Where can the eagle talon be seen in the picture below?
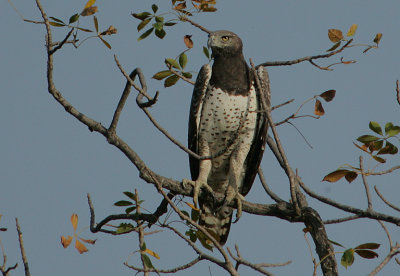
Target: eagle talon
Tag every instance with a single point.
(197, 185)
(234, 195)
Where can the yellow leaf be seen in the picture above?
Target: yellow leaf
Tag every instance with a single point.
(180, 6)
(80, 247)
(352, 30)
(66, 241)
(74, 221)
(88, 241)
(89, 3)
(318, 110)
(378, 38)
(335, 35)
(192, 206)
(152, 253)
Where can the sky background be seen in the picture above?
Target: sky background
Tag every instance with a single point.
(49, 161)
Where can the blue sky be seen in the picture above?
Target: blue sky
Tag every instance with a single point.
(49, 161)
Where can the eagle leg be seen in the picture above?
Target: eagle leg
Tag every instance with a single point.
(201, 181)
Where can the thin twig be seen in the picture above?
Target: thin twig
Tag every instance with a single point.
(393, 252)
(21, 246)
(172, 270)
(391, 205)
(398, 91)
(185, 18)
(340, 220)
(275, 197)
(366, 186)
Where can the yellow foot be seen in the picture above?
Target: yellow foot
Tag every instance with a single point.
(233, 194)
(197, 185)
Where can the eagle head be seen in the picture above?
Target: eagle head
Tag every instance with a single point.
(225, 43)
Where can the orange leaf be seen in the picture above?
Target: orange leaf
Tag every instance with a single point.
(66, 241)
(192, 206)
(335, 35)
(318, 110)
(180, 6)
(378, 38)
(74, 221)
(88, 241)
(335, 176)
(188, 41)
(80, 247)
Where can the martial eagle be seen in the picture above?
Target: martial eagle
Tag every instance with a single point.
(226, 116)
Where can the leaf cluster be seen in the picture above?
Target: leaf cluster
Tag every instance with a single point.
(363, 250)
(336, 36)
(374, 145)
(66, 241)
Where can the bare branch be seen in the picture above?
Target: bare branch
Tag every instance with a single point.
(172, 270)
(393, 252)
(339, 220)
(308, 58)
(384, 172)
(185, 18)
(397, 91)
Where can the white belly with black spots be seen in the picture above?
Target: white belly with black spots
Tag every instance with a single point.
(219, 122)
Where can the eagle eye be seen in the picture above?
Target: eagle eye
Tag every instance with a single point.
(225, 38)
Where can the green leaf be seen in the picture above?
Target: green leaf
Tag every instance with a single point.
(185, 213)
(162, 74)
(182, 60)
(169, 24)
(377, 145)
(160, 33)
(172, 62)
(85, 30)
(143, 24)
(195, 215)
(123, 203)
(388, 127)
(124, 227)
(367, 254)
(130, 195)
(375, 127)
(96, 24)
(347, 258)
(204, 241)
(141, 16)
(154, 8)
(187, 75)
(393, 131)
(158, 26)
(56, 24)
(159, 19)
(328, 95)
(379, 159)
(369, 245)
(130, 209)
(367, 138)
(334, 47)
(74, 18)
(57, 20)
(388, 149)
(143, 247)
(147, 261)
(206, 52)
(146, 34)
(170, 81)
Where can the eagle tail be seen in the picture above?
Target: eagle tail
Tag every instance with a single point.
(217, 221)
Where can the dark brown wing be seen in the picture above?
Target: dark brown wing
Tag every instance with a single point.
(200, 88)
(256, 152)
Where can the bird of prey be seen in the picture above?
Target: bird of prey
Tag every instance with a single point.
(226, 122)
